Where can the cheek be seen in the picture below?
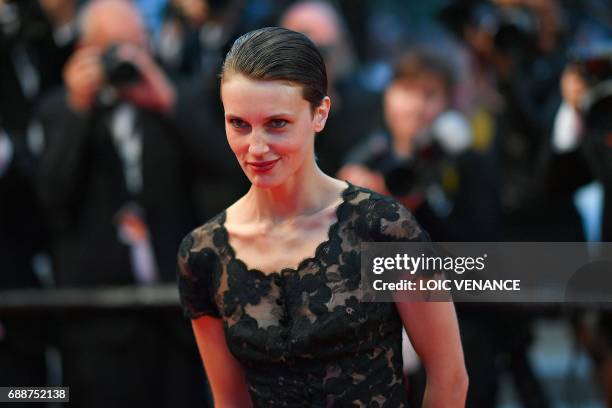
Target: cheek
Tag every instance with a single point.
(393, 106)
(394, 114)
(289, 145)
(299, 140)
(237, 144)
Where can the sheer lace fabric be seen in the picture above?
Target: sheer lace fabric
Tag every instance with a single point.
(303, 336)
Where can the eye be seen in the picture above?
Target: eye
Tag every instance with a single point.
(277, 123)
(238, 124)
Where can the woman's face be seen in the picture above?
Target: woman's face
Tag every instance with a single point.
(270, 127)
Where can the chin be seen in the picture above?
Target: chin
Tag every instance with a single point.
(266, 181)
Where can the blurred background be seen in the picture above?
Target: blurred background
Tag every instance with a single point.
(490, 120)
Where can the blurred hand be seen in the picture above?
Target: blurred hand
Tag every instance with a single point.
(573, 86)
(412, 201)
(154, 91)
(363, 177)
(83, 76)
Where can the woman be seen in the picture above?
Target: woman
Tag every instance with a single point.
(272, 283)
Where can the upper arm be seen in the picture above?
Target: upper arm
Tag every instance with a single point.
(431, 325)
(434, 332)
(224, 372)
(195, 271)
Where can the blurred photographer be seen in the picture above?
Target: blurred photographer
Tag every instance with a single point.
(115, 179)
(596, 109)
(100, 135)
(518, 50)
(356, 111)
(423, 155)
(426, 158)
(583, 126)
(110, 65)
(36, 37)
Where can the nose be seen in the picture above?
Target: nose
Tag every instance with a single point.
(258, 145)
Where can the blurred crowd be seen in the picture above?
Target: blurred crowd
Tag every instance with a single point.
(487, 118)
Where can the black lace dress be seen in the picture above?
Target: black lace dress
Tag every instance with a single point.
(302, 335)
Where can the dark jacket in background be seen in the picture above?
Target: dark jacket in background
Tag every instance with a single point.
(82, 187)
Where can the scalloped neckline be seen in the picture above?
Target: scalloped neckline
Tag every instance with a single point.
(270, 275)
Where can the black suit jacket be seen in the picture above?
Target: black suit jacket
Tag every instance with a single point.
(81, 185)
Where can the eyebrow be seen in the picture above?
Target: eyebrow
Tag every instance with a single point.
(271, 117)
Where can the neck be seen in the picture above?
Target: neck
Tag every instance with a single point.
(307, 192)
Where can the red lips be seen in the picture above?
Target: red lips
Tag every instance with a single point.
(262, 166)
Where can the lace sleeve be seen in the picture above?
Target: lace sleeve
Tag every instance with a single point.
(392, 222)
(194, 275)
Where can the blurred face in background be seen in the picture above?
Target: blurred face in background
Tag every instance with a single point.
(404, 108)
(323, 26)
(196, 11)
(270, 128)
(113, 21)
(318, 21)
(436, 97)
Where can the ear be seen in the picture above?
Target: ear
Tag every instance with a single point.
(321, 113)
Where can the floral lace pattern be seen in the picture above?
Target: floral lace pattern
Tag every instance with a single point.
(303, 336)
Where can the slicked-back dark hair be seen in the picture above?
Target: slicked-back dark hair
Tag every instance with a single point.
(274, 53)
